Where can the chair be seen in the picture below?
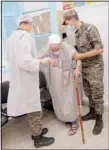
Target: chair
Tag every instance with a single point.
(44, 92)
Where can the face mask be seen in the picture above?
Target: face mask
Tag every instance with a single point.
(56, 53)
(71, 28)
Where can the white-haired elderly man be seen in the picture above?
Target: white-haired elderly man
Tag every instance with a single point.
(24, 94)
(60, 75)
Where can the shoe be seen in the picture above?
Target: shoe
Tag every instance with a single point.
(98, 125)
(73, 129)
(44, 131)
(90, 116)
(41, 141)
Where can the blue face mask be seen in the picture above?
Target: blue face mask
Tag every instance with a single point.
(71, 28)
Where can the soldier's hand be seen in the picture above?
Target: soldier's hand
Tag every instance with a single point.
(76, 56)
(53, 62)
(77, 72)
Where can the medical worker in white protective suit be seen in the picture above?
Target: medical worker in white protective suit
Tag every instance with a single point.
(60, 80)
(24, 94)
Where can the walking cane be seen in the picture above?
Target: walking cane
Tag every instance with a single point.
(79, 109)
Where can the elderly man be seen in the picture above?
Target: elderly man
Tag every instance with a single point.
(90, 47)
(24, 94)
(60, 76)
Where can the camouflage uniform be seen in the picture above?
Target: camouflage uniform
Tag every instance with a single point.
(87, 39)
(35, 122)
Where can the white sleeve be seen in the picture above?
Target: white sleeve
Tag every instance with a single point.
(23, 55)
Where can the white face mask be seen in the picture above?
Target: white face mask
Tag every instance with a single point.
(56, 53)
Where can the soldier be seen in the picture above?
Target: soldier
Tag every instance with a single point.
(90, 48)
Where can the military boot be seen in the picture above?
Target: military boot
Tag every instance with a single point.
(90, 116)
(44, 131)
(41, 141)
(98, 125)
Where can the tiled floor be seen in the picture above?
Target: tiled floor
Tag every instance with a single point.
(16, 134)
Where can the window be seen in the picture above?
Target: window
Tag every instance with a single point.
(41, 21)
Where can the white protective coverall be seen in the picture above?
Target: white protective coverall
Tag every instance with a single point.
(24, 94)
(60, 82)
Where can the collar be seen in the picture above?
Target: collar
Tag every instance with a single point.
(81, 29)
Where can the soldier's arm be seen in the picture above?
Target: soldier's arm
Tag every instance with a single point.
(95, 41)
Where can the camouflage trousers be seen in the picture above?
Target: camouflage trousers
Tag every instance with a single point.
(94, 87)
(35, 122)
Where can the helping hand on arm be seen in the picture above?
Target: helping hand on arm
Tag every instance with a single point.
(94, 52)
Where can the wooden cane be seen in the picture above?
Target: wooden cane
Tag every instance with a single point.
(79, 110)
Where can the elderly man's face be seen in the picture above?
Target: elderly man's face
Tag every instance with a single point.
(55, 47)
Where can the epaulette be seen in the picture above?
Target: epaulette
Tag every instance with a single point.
(88, 27)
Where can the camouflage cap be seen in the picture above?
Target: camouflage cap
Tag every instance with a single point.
(68, 14)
